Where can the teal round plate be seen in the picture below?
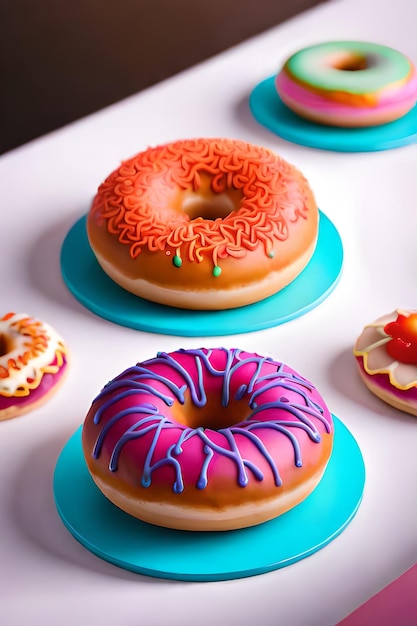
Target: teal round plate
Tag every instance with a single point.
(125, 541)
(269, 110)
(97, 292)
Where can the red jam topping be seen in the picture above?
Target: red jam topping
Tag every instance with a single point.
(403, 345)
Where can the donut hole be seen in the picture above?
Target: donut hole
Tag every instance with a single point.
(5, 345)
(213, 415)
(350, 63)
(219, 206)
(204, 203)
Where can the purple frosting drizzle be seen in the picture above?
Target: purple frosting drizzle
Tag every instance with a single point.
(150, 420)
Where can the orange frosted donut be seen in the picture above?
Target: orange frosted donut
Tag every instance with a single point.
(204, 224)
(386, 354)
(33, 363)
(207, 439)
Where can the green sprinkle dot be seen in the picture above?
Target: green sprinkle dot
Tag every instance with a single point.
(177, 261)
(217, 271)
(271, 254)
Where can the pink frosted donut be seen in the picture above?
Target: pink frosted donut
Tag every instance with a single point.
(207, 439)
(33, 363)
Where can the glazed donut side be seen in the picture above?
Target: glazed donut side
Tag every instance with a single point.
(386, 355)
(207, 439)
(347, 83)
(33, 364)
(204, 224)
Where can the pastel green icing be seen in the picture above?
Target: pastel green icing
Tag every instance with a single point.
(312, 66)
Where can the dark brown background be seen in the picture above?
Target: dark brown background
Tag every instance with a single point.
(63, 59)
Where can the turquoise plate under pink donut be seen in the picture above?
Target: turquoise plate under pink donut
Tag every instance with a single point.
(96, 291)
(126, 542)
(269, 110)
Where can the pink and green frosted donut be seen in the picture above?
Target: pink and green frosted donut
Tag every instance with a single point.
(348, 83)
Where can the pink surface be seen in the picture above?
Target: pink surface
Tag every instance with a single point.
(395, 605)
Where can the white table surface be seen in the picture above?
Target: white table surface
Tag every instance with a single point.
(46, 576)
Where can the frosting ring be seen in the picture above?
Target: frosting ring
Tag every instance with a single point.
(33, 361)
(348, 83)
(207, 439)
(204, 224)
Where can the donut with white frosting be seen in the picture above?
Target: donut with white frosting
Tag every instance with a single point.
(33, 363)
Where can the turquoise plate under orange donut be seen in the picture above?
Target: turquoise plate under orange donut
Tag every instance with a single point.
(198, 229)
(341, 95)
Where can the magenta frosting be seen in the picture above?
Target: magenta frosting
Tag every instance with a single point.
(285, 418)
(47, 382)
(383, 381)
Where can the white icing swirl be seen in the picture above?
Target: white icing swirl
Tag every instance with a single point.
(34, 346)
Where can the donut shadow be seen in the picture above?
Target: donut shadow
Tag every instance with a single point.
(33, 512)
(245, 118)
(264, 136)
(43, 264)
(344, 377)
(268, 137)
